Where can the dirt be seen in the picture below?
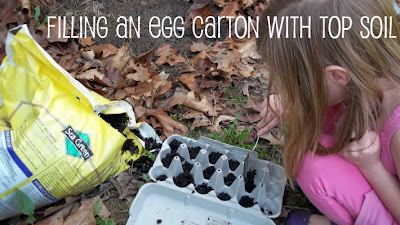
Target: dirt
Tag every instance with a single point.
(203, 188)
(174, 145)
(249, 181)
(118, 121)
(233, 164)
(149, 143)
(187, 167)
(208, 172)
(224, 196)
(162, 177)
(266, 211)
(193, 152)
(246, 201)
(229, 179)
(183, 179)
(130, 146)
(159, 221)
(167, 160)
(213, 157)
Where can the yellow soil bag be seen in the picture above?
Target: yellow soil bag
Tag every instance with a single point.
(52, 141)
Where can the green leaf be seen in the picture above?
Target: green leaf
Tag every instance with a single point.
(110, 222)
(37, 13)
(146, 177)
(97, 207)
(26, 205)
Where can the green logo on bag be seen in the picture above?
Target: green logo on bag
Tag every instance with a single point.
(77, 143)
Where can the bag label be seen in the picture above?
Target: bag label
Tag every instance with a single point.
(80, 144)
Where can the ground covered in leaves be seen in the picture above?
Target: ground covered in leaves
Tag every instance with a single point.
(184, 86)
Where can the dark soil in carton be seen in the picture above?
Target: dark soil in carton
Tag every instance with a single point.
(183, 179)
(213, 157)
(203, 188)
(266, 211)
(233, 164)
(187, 167)
(166, 161)
(174, 145)
(193, 152)
(249, 180)
(130, 146)
(162, 177)
(229, 179)
(208, 172)
(224, 196)
(118, 121)
(246, 201)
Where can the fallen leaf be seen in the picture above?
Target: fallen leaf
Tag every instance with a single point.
(190, 81)
(220, 3)
(141, 74)
(85, 42)
(167, 55)
(55, 35)
(203, 12)
(200, 121)
(106, 50)
(189, 100)
(272, 139)
(88, 55)
(230, 9)
(250, 50)
(192, 114)
(170, 126)
(145, 58)
(26, 7)
(223, 118)
(247, 3)
(255, 103)
(197, 47)
(120, 94)
(95, 76)
(128, 185)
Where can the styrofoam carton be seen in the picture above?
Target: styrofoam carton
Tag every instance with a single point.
(202, 183)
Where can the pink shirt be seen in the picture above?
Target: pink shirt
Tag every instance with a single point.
(392, 124)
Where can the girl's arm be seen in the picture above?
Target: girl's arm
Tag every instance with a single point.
(386, 186)
(365, 154)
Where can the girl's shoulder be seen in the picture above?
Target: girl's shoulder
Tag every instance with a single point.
(390, 141)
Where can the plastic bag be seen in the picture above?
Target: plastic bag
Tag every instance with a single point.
(53, 143)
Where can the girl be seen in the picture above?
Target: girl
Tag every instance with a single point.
(340, 101)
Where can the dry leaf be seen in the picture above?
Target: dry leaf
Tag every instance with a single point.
(86, 41)
(273, 140)
(167, 55)
(145, 58)
(26, 7)
(230, 9)
(95, 76)
(255, 103)
(203, 12)
(128, 185)
(106, 50)
(200, 121)
(197, 47)
(55, 36)
(189, 100)
(220, 3)
(223, 118)
(190, 81)
(141, 74)
(170, 126)
(250, 50)
(88, 55)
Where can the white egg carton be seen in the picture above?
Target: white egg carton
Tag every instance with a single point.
(203, 181)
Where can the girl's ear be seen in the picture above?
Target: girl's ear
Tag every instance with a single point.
(337, 75)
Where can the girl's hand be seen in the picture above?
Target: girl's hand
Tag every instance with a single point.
(270, 115)
(365, 152)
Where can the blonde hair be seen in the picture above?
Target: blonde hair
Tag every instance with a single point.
(297, 67)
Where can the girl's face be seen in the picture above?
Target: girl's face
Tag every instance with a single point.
(337, 79)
